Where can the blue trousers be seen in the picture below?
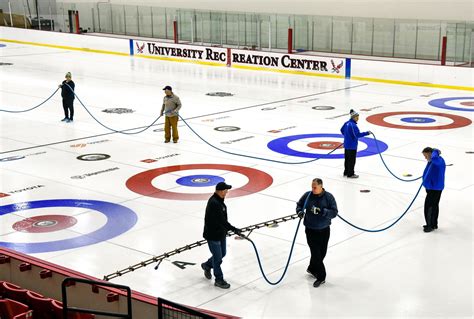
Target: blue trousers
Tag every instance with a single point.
(218, 251)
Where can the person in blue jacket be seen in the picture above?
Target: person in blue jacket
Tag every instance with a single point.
(317, 207)
(351, 139)
(433, 181)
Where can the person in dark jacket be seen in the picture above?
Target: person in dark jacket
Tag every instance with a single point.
(317, 207)
(351, 139)
(67, 93)
(433, 181)
(216, 227)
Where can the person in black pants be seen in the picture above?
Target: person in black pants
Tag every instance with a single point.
(317, 207)
(67, 93)
(433, 181)
(216, 227)
(351, 139)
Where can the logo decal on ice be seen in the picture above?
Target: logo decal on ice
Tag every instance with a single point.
(93, 157)
(227, 128)
(323, 108)
(118, 110)
(221, 94)
(11, 158)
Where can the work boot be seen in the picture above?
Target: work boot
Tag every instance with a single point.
(221, 283)
(207, 271)
(309, 272)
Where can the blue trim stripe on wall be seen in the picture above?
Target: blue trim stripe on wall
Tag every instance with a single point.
(348, 68)
(131, 46)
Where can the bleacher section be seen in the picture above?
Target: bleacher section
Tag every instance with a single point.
(31, 288)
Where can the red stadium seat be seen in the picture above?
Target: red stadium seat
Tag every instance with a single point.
(2, 290)
(58, 311)
(14, 309)
(14, 292)
(40, 305)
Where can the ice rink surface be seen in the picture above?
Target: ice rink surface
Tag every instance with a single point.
(142, 197)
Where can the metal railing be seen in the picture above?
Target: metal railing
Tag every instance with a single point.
(66, 308)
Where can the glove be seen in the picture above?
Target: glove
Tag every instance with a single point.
(315, 210)
(238, 231)
(300, 214)
(370, 132)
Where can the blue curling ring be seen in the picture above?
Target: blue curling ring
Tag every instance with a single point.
(280, 145)
(119, 220)
(419, 120)
(199, 180)
(441, 103)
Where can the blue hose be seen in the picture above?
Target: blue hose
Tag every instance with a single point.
(254, 157)
(289, 256)
(388, 169)
(30, 109)
(109, 128)
(385, 228)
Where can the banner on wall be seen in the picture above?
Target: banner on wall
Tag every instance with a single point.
(171, 50)
(293, 62)
(243, 58)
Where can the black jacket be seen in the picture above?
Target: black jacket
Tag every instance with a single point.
(66, 92)
(326, 203)
(216, 225)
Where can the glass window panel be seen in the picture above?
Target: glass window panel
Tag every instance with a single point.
(362, 36)
(118, 22)
(460, 43)
(456, 33)
(185, 25)
(428, 40)
(86, 16)
(451, 43)
(205, 27)
(232, 29)
(131, 20)
(145, 22)
(301, 33)
(251, 40)
(104, 18)
(216, 28)
(283, 22)
(171, 16)
(322, 34)
(59, 19)
(383, 37)
(266, 32)
(242, 31)
(342, 35)
(405, 38)
(159, 22)
(469, 46)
